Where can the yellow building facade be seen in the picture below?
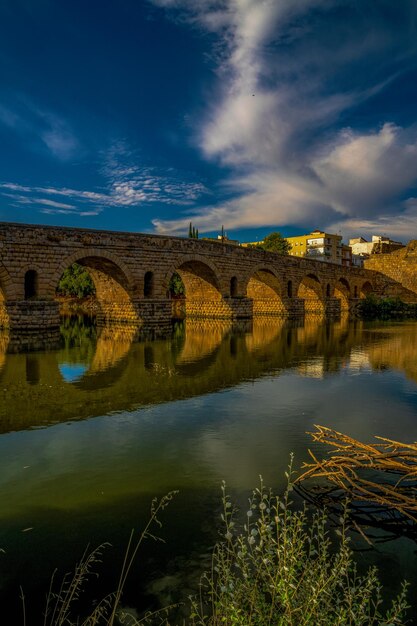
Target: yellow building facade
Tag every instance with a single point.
(320, 246)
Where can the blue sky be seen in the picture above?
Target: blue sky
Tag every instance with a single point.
(144, 115)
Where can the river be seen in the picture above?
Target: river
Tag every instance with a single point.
(91, 432)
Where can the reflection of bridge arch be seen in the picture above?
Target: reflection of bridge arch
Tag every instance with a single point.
(265, 289)
(310, 290)
(342, 291)
(108, 361)
(151, 372)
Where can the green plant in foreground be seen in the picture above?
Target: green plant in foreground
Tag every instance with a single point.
(278, 567)
(282, 569)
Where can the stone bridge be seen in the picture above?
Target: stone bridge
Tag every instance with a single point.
(132, 273)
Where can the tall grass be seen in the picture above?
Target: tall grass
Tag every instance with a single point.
(278, 566)
(62, 603)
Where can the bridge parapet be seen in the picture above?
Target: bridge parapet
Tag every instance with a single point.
(132, 271)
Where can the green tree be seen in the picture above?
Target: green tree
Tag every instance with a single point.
(275, 242)
(192, 231)
(176, 286)
(76, 281)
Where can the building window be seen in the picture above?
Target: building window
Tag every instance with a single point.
(328, 291)
(355, 292)
(31, 284)
(148, 285)
(289, 288)
(233, 286)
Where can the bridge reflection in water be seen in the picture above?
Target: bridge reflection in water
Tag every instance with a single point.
(98, 371)
(217, 400)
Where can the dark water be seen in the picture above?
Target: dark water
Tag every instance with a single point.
(91, 432)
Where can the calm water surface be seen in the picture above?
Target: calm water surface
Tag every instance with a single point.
(92, 431)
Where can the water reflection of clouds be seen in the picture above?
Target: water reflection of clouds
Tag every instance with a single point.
(272, 398)
(233, 435)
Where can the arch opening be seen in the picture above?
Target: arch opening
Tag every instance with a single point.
(148, 285)
(201, 296)
(4, 316)
(366, 289)
(31, 284)
(310, 290)
(342, 292)
(233, 287)
(104, 282)
(265, 290)
(200, 282)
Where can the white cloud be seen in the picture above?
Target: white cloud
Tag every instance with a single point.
(287, 71)
(39, 127)
(364, 173)
(52, 203)
(132, 183)
(399, 225)
(127, 184)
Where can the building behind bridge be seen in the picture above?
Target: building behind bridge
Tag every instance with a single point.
(363, 249)
(321, 246)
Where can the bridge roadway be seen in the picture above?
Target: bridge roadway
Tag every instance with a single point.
(132, 271)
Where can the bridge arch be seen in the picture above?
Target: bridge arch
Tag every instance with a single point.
(365, 289)
(95, 259)
(310, 290)
(112, 281)
(342, 291)
(266, 290)
(202, 286)
(8, 289)
(199, 275)
(7, 292)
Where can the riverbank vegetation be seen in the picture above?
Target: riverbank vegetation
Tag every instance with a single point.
(372, 308)
(273, 565)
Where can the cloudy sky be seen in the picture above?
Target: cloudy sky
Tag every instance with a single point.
(259, 115)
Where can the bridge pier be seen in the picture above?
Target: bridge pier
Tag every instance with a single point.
(150, 313)
(230, 308)
(332, 307)
(32, 324)
(295, 306)
(30, 314)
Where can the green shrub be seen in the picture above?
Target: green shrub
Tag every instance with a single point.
(282, 569)
(279, 567)
(76, 281)
(176, 286)
(373, 307)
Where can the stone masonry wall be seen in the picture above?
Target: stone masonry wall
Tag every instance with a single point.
(399, 266)
(119, 263)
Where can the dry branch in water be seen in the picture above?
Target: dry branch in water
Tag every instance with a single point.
(382, 474)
